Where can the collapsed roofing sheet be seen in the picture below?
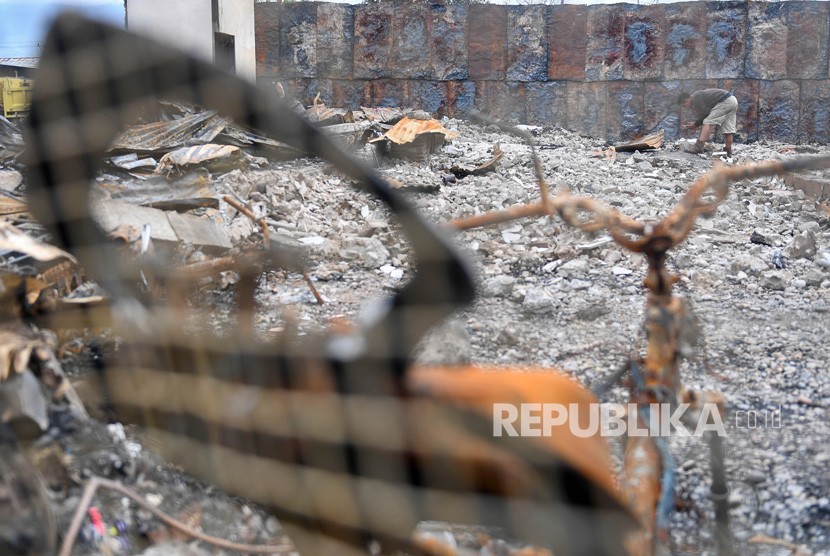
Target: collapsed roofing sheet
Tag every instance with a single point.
(406, 130)
(201, 127)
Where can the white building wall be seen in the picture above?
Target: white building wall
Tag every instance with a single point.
(185, 24)
(188, 25)
(236, 17)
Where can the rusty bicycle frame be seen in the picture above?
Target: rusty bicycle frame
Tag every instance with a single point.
(648, 466)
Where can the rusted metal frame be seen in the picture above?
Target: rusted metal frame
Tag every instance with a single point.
(642, 468)
(241, 207)
(652, 499)
(719, 492)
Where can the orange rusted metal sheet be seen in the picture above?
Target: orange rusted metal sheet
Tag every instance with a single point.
(481, 387)
(406, 130)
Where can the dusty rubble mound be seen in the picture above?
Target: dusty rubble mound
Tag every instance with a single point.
(192, 185)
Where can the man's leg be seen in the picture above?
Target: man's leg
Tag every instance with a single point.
(705, 132)
(727, 139)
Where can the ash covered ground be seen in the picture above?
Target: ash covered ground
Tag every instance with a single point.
(555, 297)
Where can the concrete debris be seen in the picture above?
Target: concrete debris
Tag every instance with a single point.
(802, 246)
(10, 180)
(485, 167)
(166, 228)
(775, 279)
(545, 288)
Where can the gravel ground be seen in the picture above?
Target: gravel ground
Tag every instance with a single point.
(555, 297)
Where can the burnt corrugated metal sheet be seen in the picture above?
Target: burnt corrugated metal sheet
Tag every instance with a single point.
(406, 130)
(197, 128)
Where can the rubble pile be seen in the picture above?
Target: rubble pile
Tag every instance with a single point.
(204, 192)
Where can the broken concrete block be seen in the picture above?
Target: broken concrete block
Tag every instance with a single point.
(199, 232)
(10, 180)
(170, 228)
(112, 214)
(802, 246)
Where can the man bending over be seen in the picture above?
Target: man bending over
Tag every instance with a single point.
(713, 107)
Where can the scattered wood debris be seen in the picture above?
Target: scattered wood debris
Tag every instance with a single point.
(647, 142)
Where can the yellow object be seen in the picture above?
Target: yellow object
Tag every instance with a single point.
(15, 96)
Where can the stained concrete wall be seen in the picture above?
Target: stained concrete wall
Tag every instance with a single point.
(611, 71)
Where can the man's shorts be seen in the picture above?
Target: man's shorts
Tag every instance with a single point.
(724, 115)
